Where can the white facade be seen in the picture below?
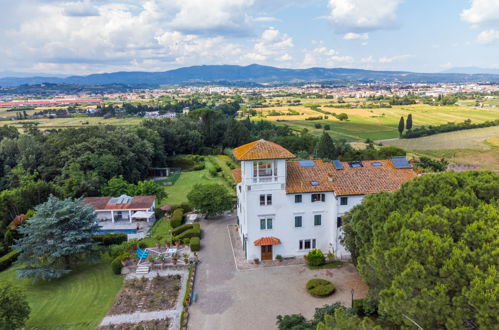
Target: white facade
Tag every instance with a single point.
(301, 224)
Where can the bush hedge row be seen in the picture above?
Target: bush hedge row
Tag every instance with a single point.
(181, 229)
(195, 231)
(111, 238)
(195, 244)
(316, 258)
(8, 259)
(177, 218)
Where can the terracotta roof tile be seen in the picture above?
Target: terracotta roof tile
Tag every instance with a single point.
(262, 149)
(267, 241)
(368, 179)
(236, 174)
(137, 203)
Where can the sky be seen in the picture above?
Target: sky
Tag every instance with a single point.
(93, 36)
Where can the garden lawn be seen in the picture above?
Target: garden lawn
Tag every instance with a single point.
(77, 301)
(177, 193)
(160, 229)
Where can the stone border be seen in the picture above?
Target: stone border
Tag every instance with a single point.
(186, 300)
(242, 264)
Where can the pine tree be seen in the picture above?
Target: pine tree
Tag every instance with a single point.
(56, 238)
(408, 124)
(325, 148)
(401, 126)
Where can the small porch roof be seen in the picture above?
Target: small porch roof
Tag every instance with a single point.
(267, 241)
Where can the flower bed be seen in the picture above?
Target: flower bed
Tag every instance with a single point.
(142, 325)
(140, 294)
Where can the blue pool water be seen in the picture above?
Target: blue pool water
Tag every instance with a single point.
(113, 231)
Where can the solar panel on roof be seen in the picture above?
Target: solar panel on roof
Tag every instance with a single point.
(314, 183)
(376, 164)
(307, 163)
(355, 164)
(400, 162)
(338, 164)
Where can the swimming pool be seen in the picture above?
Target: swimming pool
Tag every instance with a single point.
(114, 231)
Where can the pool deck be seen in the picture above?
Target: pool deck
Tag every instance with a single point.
(126, 225)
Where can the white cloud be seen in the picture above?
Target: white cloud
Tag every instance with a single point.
(272, 44)
(363, 15)
(481, 12)
(353, 36)
(324, 57)
(488, 36)
(385, 59)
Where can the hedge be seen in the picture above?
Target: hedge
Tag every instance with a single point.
(8, 259)
(188, 286)
(111, 238)
(181, 229)
(195, 244)
(116, 265)
(177, 218)
(194, 232)
(319, 287)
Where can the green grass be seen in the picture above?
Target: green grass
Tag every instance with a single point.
(177, 193)
(162, 229)
(77, 301)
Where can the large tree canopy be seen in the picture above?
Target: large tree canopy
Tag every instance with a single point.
(55, 238)
(429, 251)
(210, 198)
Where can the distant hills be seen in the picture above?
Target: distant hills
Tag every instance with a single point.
(472, 70)
(252, 74)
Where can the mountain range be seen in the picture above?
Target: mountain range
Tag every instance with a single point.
(253, 74)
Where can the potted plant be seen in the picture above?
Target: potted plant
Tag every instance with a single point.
(162, 260)
(256, 260)
(174, 258)
(158, 242)
(168, 244)
(151, 260)
(278, 257)
(177, 243)
(186, 258)
(330, 256)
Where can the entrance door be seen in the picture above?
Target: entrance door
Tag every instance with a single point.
(266, 252)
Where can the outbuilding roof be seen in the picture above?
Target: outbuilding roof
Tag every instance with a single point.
(135, 203)
(262, 149)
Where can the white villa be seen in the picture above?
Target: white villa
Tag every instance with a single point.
(123, 208)
(288, 208)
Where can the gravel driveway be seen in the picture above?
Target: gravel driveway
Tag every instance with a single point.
(251, 299)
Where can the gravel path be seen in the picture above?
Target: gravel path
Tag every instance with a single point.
(172, 314)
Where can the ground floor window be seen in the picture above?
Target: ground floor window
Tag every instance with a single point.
(307, 244)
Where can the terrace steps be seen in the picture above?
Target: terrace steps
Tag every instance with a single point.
(142, 269)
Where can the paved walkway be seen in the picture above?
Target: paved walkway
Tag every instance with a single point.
(172, 314)
(251, 299)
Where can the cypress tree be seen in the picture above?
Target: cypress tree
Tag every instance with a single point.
(325, 148)
(408, 124)
(401, 126)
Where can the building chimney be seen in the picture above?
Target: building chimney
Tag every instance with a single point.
(330, 177)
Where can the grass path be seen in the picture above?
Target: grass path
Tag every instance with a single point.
(77, 301)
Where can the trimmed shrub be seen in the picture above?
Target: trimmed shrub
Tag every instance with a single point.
(316, 258)
(319, 287)
(111, 238)
(194, 232)
(8, 259)
(177, 218)
(186, 241)
(142, 244)
(213, 171)
(116, 265)
(117, 250)
(195, 244)
(181, 229)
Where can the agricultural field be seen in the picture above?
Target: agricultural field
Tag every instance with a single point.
(376, 124)
(55, 123)
(477, 147)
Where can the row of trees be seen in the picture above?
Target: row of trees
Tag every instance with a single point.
(449, 127)
(405, 125)
(428, 252)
